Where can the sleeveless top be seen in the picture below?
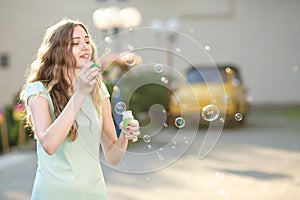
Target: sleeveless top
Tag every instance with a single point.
(74, 170)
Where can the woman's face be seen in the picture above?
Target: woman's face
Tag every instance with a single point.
(81, 47)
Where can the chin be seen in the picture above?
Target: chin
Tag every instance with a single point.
(81, 64)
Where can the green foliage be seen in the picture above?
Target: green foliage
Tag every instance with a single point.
(13, 126)
(148, 95)
(140, 90)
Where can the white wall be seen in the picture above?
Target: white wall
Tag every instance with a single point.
(262, 36)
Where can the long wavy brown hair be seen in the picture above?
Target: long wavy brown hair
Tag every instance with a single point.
(53, 65)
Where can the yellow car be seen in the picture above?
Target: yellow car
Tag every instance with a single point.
(209, 94)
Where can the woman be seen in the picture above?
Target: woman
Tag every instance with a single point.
(69, 110)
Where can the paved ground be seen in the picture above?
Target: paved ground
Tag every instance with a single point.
(257, 162)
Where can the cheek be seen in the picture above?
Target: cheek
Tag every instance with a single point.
(91, 50)
(75, 52)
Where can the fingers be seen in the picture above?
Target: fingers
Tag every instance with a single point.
(92, 74)
(132, 131)
(87, 78)
(89, 73)
(134, 123)
(133, 139)
(92, 82)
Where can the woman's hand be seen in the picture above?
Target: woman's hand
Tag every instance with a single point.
(87, 78)
(132, 131)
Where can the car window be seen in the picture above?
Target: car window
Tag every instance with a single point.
(205, 75)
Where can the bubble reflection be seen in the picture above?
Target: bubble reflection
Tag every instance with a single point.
(238, 117)
(158, 68)
(210, 112)
(120, 107)
(147, 138)
(179, 122)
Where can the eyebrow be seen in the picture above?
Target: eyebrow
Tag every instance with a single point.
(86, 37)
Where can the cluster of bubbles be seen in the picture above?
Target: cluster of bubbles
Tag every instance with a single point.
(209, 113)
(164, 80)
(174, 144)
(220, 178)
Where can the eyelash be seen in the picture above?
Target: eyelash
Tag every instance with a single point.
(74, 44)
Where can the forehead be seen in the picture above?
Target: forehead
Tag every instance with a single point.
(79, 32)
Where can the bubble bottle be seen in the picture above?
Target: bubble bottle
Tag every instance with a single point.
(128, 117)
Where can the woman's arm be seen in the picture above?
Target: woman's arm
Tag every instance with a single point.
(51, 134)
(114, 148)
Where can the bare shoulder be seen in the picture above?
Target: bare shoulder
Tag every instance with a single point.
(37, 102)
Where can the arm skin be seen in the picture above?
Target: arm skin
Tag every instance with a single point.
(51, 135)
(114, 148)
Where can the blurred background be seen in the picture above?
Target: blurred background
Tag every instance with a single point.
(260, 38)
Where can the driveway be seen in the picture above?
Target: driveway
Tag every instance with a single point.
(256, 162)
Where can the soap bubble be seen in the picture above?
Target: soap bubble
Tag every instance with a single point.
(249, 98)
(147, 138)
(179, 122)
(130, 47)
(207, 47)
(238, 117)
(164, 80)
(120, 107)
(210, 112)
(158, 68)
(178, 50)
(116, 91)
(135, 81)
(107, 51)
(108, 40)
(130, 60)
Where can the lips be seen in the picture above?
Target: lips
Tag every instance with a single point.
(85, 56)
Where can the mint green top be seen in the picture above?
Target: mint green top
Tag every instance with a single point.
(74, 170)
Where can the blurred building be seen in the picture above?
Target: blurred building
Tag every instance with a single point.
(262, 37)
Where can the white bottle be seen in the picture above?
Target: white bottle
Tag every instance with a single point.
(128, 117)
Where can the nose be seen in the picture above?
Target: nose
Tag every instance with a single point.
(84, 46)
